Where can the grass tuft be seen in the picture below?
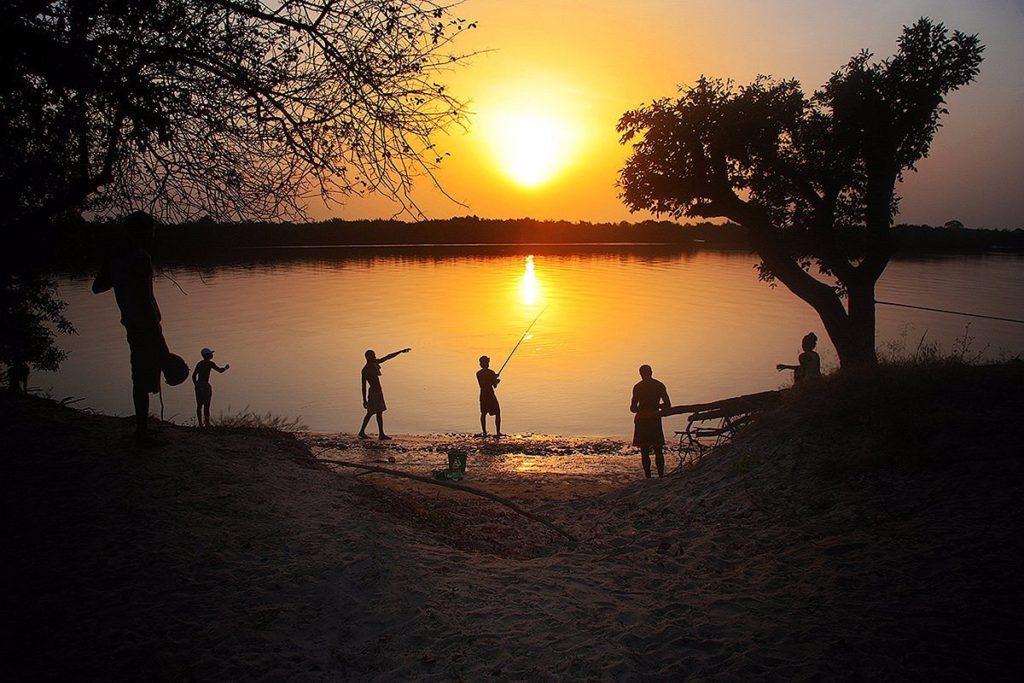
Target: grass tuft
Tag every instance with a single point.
(248, 419)
(905, 352)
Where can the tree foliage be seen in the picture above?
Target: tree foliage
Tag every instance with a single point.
(803, 173)
(232, 108)
(30, 311)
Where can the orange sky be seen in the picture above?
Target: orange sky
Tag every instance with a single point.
(568, 69)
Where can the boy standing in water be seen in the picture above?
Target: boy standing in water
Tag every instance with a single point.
(809, 367)
(649, 396)
(374, 400)
(488, 381)
(204, 390)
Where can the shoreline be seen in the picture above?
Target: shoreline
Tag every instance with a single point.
(825, 542)
(530, 469)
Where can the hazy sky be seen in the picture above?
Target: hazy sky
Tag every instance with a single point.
(559, 73)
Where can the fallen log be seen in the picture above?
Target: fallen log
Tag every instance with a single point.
(728, 406)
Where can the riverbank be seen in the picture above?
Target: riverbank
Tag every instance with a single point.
(871, 528)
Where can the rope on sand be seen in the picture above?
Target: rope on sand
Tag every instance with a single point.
(458, 487)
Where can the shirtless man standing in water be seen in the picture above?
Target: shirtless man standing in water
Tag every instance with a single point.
(488, 381)
(373, 400)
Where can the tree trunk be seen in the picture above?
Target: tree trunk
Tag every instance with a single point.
(851, 329)
(852, 332)
(860, 349)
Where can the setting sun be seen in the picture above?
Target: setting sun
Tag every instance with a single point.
(531, 146)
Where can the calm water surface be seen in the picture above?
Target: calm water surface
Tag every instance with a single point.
(295, 331)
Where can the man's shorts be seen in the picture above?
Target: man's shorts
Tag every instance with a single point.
(647, 431)
(204, 392)
(148, 351)
(489, 403)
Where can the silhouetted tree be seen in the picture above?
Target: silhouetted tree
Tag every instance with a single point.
(232, 108)
(30, 311)
(803, 174)
(228, 108)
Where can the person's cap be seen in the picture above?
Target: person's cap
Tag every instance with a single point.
(206, 352)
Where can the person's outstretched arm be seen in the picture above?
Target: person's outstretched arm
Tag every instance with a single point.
(392, 355)
(781, 366)
(226, 366)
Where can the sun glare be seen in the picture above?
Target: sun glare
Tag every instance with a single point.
(531, 146)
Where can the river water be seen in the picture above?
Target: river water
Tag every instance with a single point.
(294, 326)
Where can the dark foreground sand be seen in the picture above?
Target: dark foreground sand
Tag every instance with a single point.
(862, 533)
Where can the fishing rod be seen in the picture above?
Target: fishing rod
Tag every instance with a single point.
(521, 340)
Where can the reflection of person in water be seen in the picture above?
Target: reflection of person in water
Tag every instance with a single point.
(809, 367)
(204, 390)
(373, 400)
(129, 272)
(649, 396)
(488, 381)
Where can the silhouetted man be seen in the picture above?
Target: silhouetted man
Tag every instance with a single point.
(649, 396)
(129, 271)
(488, 381)
(373, 400)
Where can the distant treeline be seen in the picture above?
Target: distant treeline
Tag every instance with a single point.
(464, 231)
(206, 240)
(926, 239)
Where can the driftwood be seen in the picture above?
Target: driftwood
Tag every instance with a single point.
(727, 407)
(451, 485)
(732, 413)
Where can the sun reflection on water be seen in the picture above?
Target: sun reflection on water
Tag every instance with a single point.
(529, 287)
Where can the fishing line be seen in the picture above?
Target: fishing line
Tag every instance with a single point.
(943, 310)
(521, 340)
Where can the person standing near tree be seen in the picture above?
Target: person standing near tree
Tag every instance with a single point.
(649, 397)
(373, 400)
(488, 381)
(129, 271)
(809, 368)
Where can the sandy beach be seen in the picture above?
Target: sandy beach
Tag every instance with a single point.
(239, 554)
